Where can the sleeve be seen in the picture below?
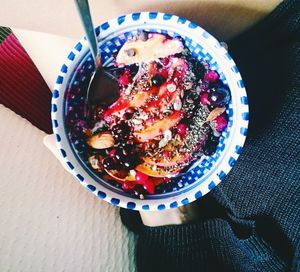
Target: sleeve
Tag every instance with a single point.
(22, 88)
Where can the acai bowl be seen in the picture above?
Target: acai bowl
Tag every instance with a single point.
(176, 128)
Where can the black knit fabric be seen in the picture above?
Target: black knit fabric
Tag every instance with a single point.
(251, 221)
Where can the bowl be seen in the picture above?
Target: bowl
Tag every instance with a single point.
(71, 83)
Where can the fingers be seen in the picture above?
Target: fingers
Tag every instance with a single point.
(49, 142)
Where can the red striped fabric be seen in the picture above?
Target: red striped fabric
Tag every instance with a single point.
(22, 88)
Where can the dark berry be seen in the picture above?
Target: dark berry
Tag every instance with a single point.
(158, 65)
(211, 144)
(209, 148)
(130, 162)
(198, 69)
(127, 115)
(165, 61)
(157, 80)
(127, 149)
(133, 70)
(119, 154)
(109, 163)
(219, 97)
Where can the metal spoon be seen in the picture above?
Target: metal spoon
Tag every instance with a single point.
(103, 86)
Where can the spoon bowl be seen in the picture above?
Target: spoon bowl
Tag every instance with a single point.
(103, 86)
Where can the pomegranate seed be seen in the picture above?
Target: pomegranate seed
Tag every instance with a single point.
(166, 179)
(166, 154)
(211, 76)
(112, 153)
(149, 186)
(221, 122)
(181, 129)
(165, 73)
(140, 177)
(124, 79)
(165, 61)
(204, 99)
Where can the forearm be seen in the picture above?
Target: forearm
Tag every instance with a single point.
(223, 18)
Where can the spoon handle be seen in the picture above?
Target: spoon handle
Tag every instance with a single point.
(86, 19)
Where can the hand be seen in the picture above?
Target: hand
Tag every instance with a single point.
(177, 216)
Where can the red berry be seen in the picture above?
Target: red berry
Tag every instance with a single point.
(221, 122)
(140, 177)
(124, 79)
(165, 61)
(211, 76)
(149, 186)
(112, 153)
(165, 73)
(204, 99)
(128, 186)
(181, 129)
(177, 74)
(166, 154)
(166, 179)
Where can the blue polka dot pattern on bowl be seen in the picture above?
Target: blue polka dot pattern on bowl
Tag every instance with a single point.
(202, 176)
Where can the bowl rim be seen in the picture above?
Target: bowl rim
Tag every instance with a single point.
(218, 53)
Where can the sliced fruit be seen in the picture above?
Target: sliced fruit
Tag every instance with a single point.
(176, 160)
(120, 175)
(101, 140)
(156, 46)
(165, 98)
(215, 113)
(123, 103)
(159, 127)
(158, 172)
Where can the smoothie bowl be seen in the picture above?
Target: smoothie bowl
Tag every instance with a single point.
(177, 125)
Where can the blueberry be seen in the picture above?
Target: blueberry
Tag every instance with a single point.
(130, 162)
(211, 144)
(109, 163)
(157, 80)
(219, 97)
(119, 154)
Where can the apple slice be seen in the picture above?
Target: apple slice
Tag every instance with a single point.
(156, 46)
(176, 160)
(159, 172)
(159, 127)
(123, 103)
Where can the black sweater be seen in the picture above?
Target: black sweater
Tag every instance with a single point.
(251, 221)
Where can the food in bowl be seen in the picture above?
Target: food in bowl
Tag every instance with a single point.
(171, 110)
